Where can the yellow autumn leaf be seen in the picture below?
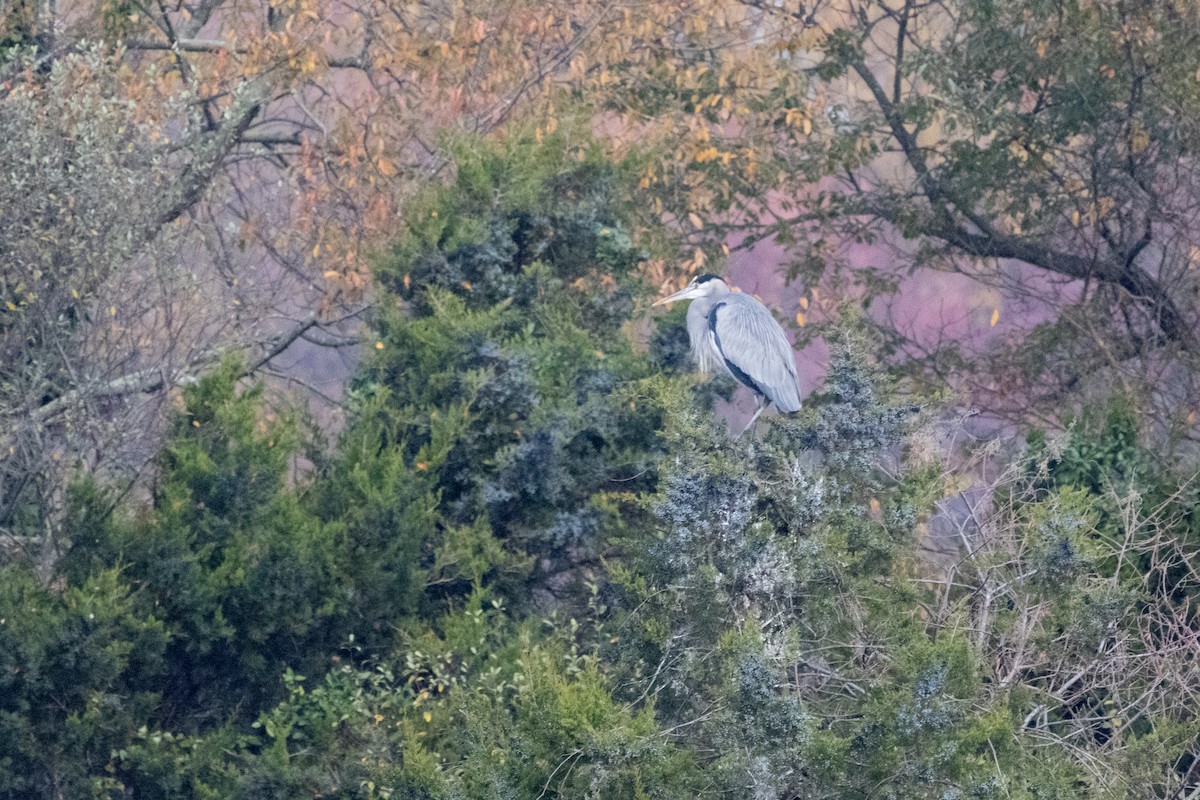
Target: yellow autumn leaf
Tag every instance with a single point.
(804, 303)
(694, 218)
(1139, 140)
(386, 166)
(995, 316)
(379, 345)
(801, 318)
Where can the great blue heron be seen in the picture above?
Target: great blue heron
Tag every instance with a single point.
(736, 333)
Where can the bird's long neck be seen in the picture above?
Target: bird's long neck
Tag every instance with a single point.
(697, 324)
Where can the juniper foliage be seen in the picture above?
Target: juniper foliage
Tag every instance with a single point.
(535, 565)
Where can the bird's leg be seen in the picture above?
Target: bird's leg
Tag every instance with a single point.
(762, 406)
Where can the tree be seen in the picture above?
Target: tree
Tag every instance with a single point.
(1040, 148)
(213, 177)
(96, 309)
(535, 564)
(80, 668)
(473, 445)
(244, 577)
(766, 627)
(503, 400)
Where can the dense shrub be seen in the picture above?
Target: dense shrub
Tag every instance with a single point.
(535, 565)
(508, 367)
(242, 576)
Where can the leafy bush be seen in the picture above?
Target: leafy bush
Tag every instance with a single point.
(507, 377)
(535, 565)
(79, 674)
(243, 577)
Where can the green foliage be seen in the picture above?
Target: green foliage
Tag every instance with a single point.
(524, 219)
(18, 24)
(508, 381)
(768, 565)
(536, 565)
(1105, 458)
(241, 574)
(1102, 453)
(78, 675)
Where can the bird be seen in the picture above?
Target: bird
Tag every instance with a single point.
(736, 333)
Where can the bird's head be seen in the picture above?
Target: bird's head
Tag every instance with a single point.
(701, 286)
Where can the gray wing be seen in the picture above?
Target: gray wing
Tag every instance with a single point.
(755, 349)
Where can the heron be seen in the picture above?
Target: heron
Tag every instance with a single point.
(734, 332)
